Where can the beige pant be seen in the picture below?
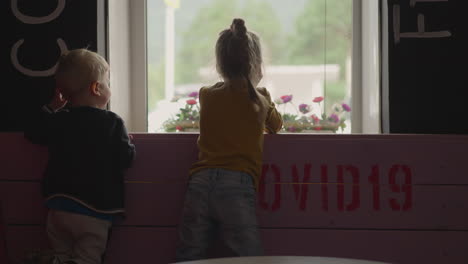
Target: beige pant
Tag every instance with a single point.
(76, 237)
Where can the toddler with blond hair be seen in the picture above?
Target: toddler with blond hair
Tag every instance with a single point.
(89, 150)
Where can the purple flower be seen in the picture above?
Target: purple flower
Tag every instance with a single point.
(193, 94)
(291, 129)
(304, 108)
(346, 107)
(334, 118)
(286, 98)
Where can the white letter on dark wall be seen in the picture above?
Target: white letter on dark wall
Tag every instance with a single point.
(421, 33)
(413, 2)
(37, 20)
(34, 21)
(29, 72)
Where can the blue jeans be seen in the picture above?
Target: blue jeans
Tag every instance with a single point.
(219, 200)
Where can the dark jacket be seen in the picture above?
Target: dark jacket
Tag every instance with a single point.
(89, 150)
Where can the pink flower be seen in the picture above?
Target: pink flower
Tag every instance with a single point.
(191, 101)
(318, 128)
(315, 118)
(318, 99)
(286, 98)
(193, 94)
(346, 107)
(179, 128)
(291, 129)
(334, 118)
(304, 108)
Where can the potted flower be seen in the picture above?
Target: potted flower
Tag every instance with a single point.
(305, 121)
(188, 117)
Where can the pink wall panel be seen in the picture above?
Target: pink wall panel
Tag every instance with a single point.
(430, 158)
(158, 245)
(24, 239)
(19, 159)
(151, 204)
(22, 202)
(3, 249)
(396, 198)
(142, 245)
(166, 158)
(393, 246)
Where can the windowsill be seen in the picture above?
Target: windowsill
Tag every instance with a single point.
(288, 136)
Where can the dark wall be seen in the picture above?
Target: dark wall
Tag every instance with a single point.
(21, 90)
(428, 77)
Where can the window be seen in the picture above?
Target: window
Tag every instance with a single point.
(307, 48)
(312, 49)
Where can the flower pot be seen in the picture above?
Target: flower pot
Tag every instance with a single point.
(189, 130)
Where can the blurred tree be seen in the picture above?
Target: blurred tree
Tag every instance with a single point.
(324, 36)
(198, 49)
(323, 31)
(156, 82)
(261, 18)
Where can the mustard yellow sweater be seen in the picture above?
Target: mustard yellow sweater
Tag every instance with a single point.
(232, 128)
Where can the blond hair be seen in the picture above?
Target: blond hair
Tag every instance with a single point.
(78, 69)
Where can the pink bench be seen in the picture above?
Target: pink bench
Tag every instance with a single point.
(390, 198)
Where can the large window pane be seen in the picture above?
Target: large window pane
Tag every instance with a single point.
(306, 47)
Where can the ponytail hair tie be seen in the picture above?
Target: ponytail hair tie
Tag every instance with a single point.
(238, 27)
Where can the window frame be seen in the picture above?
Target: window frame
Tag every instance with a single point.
(127, 57)
(130, 79)
(366, 88)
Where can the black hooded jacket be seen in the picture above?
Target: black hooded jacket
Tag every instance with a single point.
(89, 151)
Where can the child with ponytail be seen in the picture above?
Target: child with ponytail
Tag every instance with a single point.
(221, 194)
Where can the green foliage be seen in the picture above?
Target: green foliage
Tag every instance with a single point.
(289, 117)
(156, 84)
(188, 117)
(200, 38)
(308, 121)
(322, 23)
(335, 92)
(323, 33)
(189, 113)
(262, 19)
